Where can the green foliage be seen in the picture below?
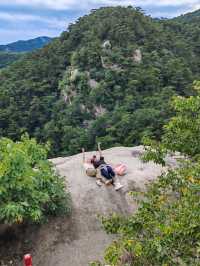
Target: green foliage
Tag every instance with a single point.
(76, 90)
(8, 58)
(154, 151)
(95, 263)
(190, 17)
(181, 133)
(165, 229)
(29, 187)
(112, 224)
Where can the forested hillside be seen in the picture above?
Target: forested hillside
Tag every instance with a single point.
(109, 77)
(190, 17)
(8, 58)
(12, 52)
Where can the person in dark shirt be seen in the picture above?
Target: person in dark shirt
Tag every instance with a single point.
(99, 162)
(105, 169)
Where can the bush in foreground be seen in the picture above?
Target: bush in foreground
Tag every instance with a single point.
(165, 230)
(30, 189)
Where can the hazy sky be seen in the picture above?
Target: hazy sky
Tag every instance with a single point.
(25, 19)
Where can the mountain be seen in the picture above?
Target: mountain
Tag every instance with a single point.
(11, 52)
(190, 17)
(109, 78)
(25, 46)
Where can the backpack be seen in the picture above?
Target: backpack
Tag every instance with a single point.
(107, 171)
(120, 169)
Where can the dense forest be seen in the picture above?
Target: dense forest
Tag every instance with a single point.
(109, 77)
(8, 58)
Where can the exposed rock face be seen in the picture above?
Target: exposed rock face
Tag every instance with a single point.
(87, 240)
(83, 107)
(104, 65)
(68, 96)
(99, 110)
(74, 74)
(110, 66)
(107, 45)
(137, 56)
(93, 83)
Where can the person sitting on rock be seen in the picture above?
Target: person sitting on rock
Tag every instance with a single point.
(88, 166)
(103, 169)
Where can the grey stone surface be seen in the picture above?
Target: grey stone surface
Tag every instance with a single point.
(87, 239)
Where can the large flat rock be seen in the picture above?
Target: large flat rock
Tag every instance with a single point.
(87, 240)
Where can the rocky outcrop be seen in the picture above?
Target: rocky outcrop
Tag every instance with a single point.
(74, 74)
(87, 240)
(99, 110)
(137, 56)
(68, 96)
(107, 45)
(79, 239)
(93, 83)
(109, 65)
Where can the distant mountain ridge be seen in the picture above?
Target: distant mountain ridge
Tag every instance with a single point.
(25, 46)
(191, 17)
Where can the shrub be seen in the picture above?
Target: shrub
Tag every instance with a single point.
(165, 230)
(30, 189)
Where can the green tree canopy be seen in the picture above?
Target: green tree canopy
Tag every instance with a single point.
(30, 189)
(165, 229)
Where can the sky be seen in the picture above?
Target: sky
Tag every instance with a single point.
(27, 19)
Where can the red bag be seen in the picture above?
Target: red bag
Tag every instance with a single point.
(120, 169)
